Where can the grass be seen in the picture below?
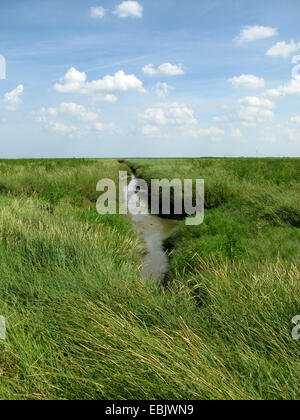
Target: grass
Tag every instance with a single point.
(84, 324)
(250, 215)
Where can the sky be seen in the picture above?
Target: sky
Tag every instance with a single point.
(149, 78)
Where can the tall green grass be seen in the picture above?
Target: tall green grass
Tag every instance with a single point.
(84, 324)
(252, 209)
(71, 180)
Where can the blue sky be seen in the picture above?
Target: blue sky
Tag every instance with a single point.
(109, 78)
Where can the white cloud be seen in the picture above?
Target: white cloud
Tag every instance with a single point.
(247, 81)
(252, 110)
(257, 102)
(165, 69)
(98, 12)
(77, 111)
(103, 97)
(74, 81)
(162, 89)
(72, 110)
(61, 128)
(291, 88)
(72, 119)
(282, 49)
(169, 117)
(129, 9)
(48, 111)
(151, 130)
(111, 98)
(120, 82)
(214, 134)
(109, 128)
(165, 114)
(296, 119)
(12, 99)
(273, 93)
(254, 33)
(255, 114)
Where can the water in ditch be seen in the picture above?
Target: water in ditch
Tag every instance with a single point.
(154, 231)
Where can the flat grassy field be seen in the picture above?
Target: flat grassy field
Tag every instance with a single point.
(82, 322)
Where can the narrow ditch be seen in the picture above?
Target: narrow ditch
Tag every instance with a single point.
(154, 230)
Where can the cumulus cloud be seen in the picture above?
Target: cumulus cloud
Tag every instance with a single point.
(249, 111)
(61, 128)
(13, 99)
(129, 9)
(255, 33)
(162, 89)
(257, 102)
(165, 69)
(111, 98)
(77, 111)
(291, 88)
(272, 93)
(75, 81)
(71, 119)
(282, 49)
(103, 97)
(247, 81)
(166, 118)
(296, 119)
(255, 114)
(169, 114)
(98, 12)
(70, 109)
(252, 110)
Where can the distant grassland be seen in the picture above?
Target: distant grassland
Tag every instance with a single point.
(84, 324)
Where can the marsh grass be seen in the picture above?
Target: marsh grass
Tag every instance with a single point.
(84, 324)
